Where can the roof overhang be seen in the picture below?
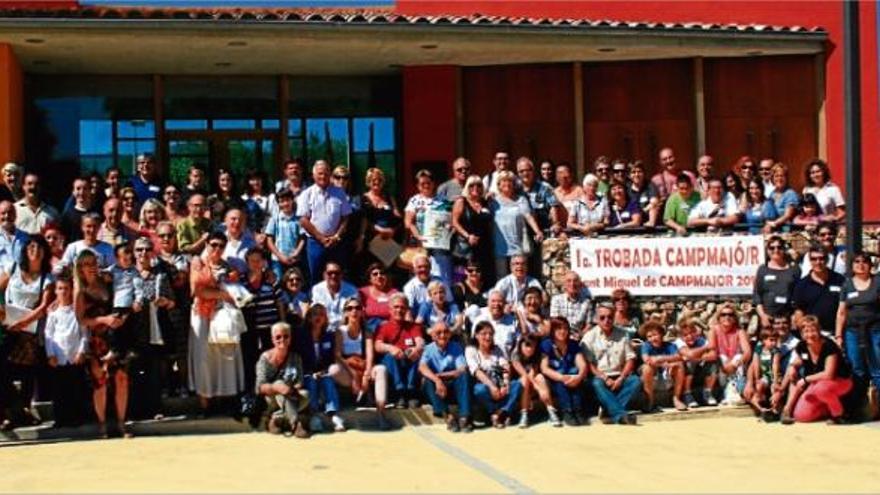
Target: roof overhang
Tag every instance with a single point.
(361, 43)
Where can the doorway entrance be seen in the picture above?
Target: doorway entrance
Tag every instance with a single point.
(236, 151)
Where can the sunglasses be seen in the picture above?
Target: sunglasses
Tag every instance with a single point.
(604, 317)
(377, 274)
(352, 308)
(294, 279)
(141, 250)
(333, 274)
(473, 270)
(166, 236)
(774, 248)
(463, 169)
(619, 171)
(341, 177)
(216, 245)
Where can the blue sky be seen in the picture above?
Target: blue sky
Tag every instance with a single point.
(243, 3)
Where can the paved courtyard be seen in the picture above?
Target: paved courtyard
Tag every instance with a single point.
(733, 455)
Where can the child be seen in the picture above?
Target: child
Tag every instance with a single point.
(700, 362)
(764, 376)
(809, 213)
(66, 343)
(526, 362)
(125, 297)
(283, 235)
(787, 340)
(662, 357)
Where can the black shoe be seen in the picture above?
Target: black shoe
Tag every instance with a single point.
(582, 418)
(770, 416)
(401, 403)
(452, 424)
(465, 425)
(570, 419)
(627, 419)
(838, 420)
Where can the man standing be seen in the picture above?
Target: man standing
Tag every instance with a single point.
(12, 240)
(323, 211)
(503, 322)
(826, 234)
(32, 214)
(195, 183)
(239, 240)
(71, 218)
(451, 189)
(704, 174)
(501, 162)
(293, 182)
(546, 208)
(818, 293)
(667, 179)
(145, 183)
(193, 231)
(104, 252)
(612, 365)
(112, 231)
(416, 289)
(765, 171)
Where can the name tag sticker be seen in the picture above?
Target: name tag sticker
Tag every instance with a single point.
(781, 299)
(408, 341)
(852, 295)
(834, 288)
(769, 278)
(327, 345)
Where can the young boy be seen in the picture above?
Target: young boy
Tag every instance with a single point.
(283, 235)
(66, 343)
(700, 362)
(661, 362)
(125, 296)
(764, 375)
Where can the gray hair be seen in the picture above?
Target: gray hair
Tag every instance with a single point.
(280, 327)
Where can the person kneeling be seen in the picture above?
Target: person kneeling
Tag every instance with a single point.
(661, 363)
(565, 369)
(280, 380)
(491, 370)
(445, 370)
(764, 376)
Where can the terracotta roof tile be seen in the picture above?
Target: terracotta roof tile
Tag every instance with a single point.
(379, 16)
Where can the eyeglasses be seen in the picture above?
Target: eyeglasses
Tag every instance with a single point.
(603, 317)
(340, 177)
(352, 308)
(619, 171)
(294, 279)
(166, 236)
(817, 258)
(128, 198)
(602, 170)
(377, 273)
(774, 248)
(216, 245)
(141, 250)
(463, 169)
(333, 273)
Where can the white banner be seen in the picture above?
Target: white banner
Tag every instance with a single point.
(669, 266)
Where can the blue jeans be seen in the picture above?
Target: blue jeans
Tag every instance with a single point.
(507, 404)
(458, 388)
(318, 256)
(567, 399)
(865, 361)
(615, 403)
(403, 373)
(322, 386)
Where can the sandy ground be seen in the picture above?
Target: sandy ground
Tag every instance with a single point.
(732, 455)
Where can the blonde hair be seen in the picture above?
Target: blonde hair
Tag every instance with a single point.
(473, 179)
(151, 204)
(374, 173)
(506, 175)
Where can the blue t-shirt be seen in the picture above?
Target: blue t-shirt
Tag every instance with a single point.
(429, 316)
(757, 215)
(617, 216)
(565, 363)
(440, 361)
(665, 349)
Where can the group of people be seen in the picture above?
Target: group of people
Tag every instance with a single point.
(286, 298)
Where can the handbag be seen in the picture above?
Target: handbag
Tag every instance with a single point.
(227, 325)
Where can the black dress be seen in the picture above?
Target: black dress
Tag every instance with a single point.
(480, 224)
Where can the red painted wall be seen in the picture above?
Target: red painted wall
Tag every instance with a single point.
(827, 14)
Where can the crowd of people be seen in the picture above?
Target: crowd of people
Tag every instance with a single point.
(292, 296)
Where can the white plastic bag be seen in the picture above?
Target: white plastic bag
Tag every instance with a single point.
(226, 325)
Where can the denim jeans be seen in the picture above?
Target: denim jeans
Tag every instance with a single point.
(403, 373)
(615, 402)
(506, 404)
(567, 399)
(459, 388)
(865, 361)
(318, 256)
(322, 386)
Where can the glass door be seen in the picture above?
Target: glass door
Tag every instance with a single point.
(214, 151)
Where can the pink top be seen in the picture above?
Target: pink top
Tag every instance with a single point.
(376, 307)
(727, 343)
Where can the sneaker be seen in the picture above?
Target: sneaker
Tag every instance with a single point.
(400, 404)
(414, 403)
(554, 417)
(338, 423)
(452, 424)
(465, 425)
(315, 424)
(570, 419)
(689, 400)
(708, 398)
(523, 419)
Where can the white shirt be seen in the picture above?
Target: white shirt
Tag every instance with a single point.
(513, 290)
(323, 207)
(416, 292)
(707, 208)
(32, 222)
(829, 197)
(102, 250)
(65, 338)
(505, 329)
(333, 302)
(494, 362)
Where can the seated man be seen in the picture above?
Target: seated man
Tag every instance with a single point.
(514, 285)
(332, 293)
(612, 364)
(400, 343)
(504, 322)
(715, 213)
(679, 204)
(445, 371)
(416, 289)
(573, 303)
(662, 364)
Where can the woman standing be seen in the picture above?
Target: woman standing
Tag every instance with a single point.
(215, 370)
(784, 198)
(356, 358)
(470, 294)
(422, 204)
(857, 329)
(622, 212)
(29, 289)
(817, 178)
(152, 212)
(490, 368)
(93, 301)
(756, 209)
(774, 282)
(567, 191)
(380, 213)
(472, 223)
(55, 239)
(175, 265)
(817, 378)
(174, 208)
(587, 215)
(511, 215)
(645, 193)
(255, 203)
(130, 209)
(224, 199)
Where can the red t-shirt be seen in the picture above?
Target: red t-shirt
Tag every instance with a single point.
(376, 307)
(399, 334)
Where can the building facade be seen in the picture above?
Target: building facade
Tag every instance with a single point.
(413, 84)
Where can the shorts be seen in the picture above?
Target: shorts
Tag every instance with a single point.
(700, 368)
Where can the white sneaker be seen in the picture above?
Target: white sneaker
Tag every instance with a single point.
(316, 425)
(338, 423)
(554, 417)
